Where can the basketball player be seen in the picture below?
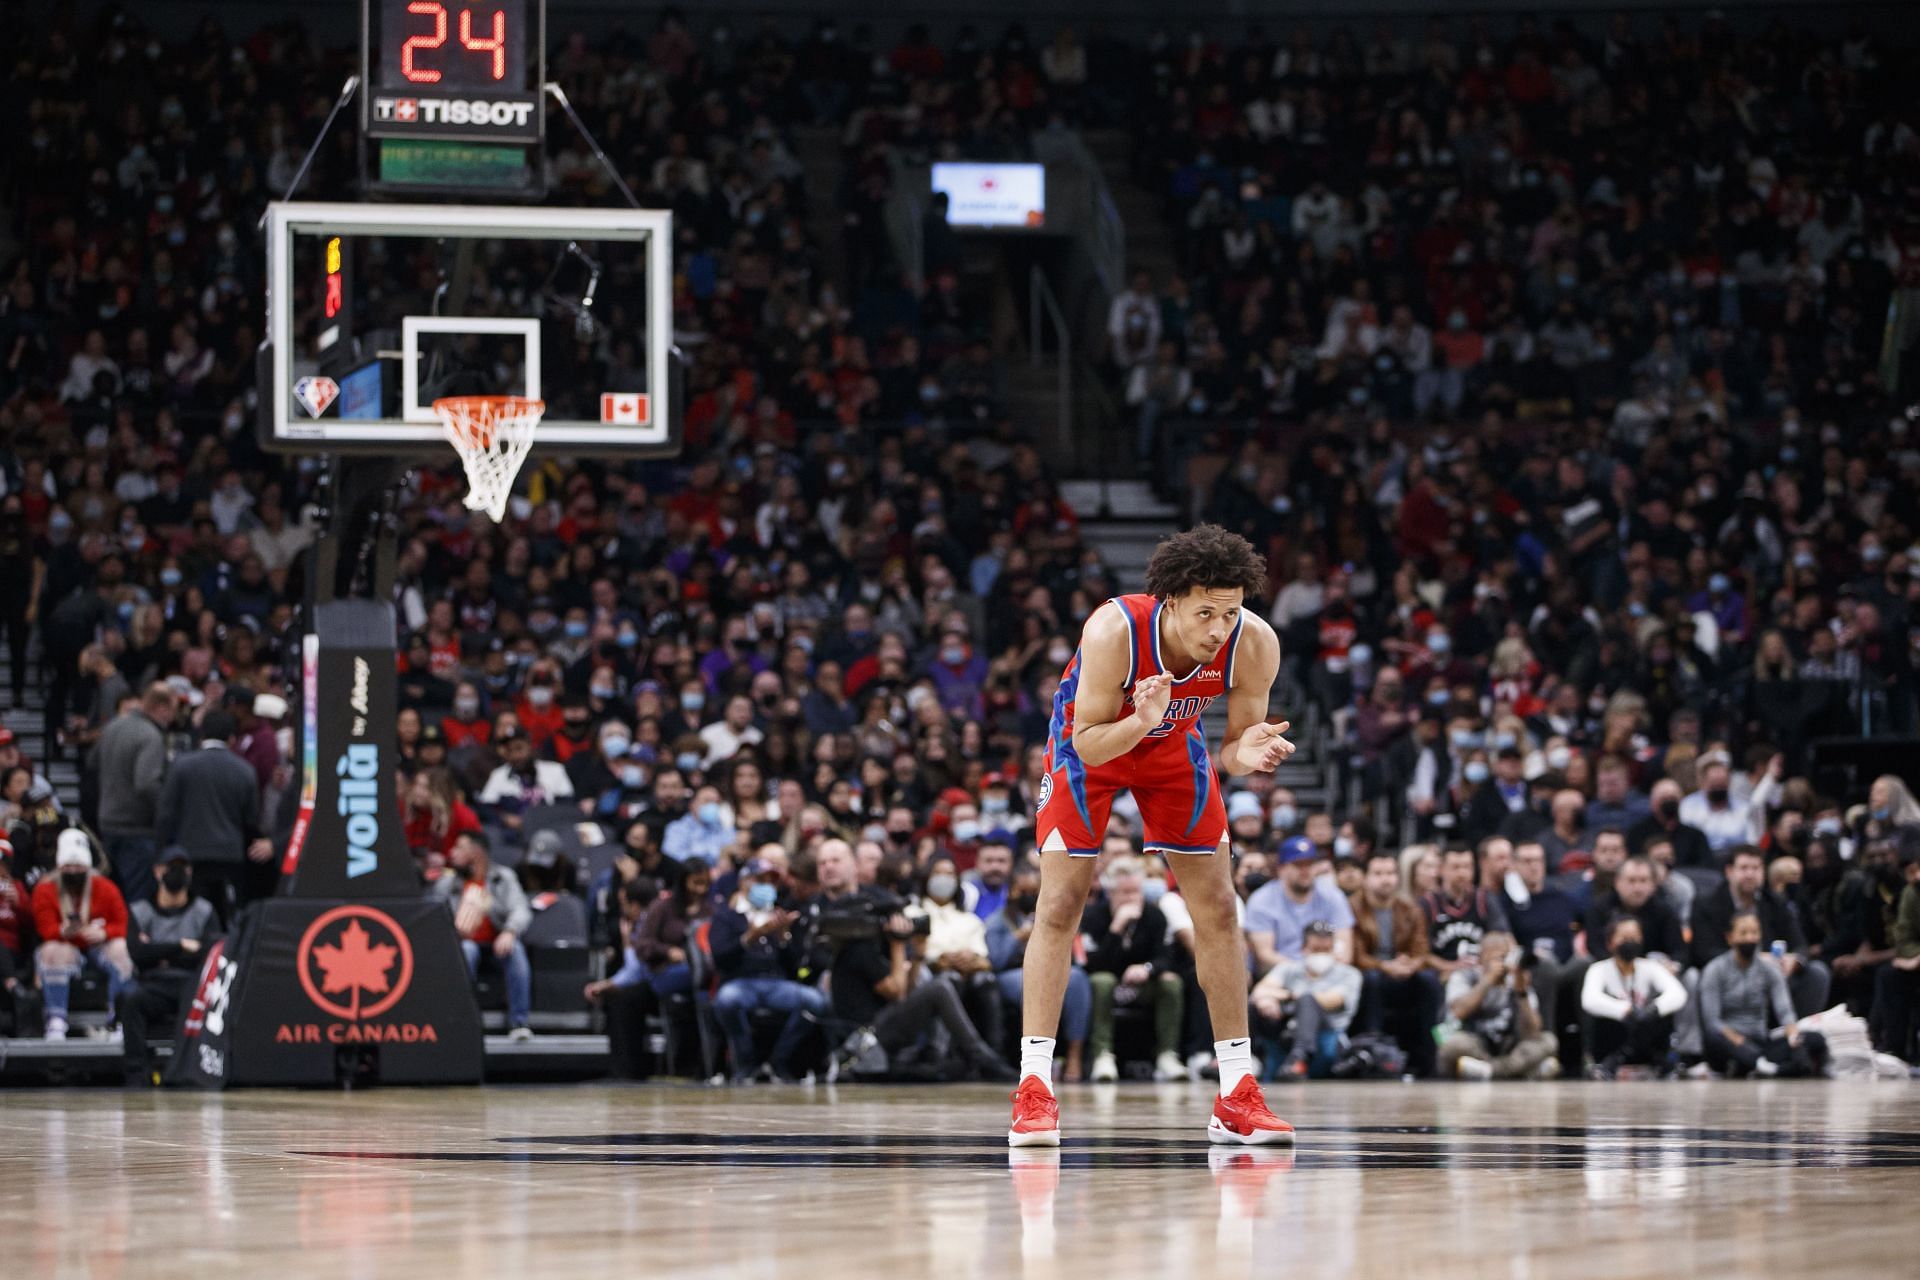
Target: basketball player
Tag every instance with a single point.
(1128, 716)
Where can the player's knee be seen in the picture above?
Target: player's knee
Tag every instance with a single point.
(1060, 912)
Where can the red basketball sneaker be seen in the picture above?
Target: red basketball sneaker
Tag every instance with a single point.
(1036, 1115)
(1242, 1117)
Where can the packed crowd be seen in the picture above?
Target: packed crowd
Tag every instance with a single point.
(803, 676)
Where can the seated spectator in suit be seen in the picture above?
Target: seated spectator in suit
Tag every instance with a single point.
(1743, 999)
(1306, 1004)
(81, 920)
(167, 939)
(1745, 889)
(1007, 934)
(759, 955)
(1630, 1002)
(1633, 895)
(490, 913)
(1125, 937)
(1400, 992)
(1861, 941)
(521, 782)
(1497, 1033)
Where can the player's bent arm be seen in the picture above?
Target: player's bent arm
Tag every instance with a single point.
(1102, 728)
(1256, 665)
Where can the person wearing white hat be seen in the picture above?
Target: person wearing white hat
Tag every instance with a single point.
(83, 921)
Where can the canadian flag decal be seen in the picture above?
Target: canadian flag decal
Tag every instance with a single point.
(626, 406)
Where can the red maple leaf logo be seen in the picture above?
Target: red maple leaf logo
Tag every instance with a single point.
(353, 966)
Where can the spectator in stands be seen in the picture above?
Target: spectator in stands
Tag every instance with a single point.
(490, 913)
(1661, 937)
(1595, 882)
(1279, 912)
(1745, 889)
(665, 936)
(1125, 937)
(987, 885)
(1713, 811)
(210, 811)
(956, 947)
(1400, 993)
(1498, 1032)
(875, 982)
(16, 913)
(1615, 803)
(167, 940)
(759, 956)
(626, 991)
(1307, 1004)
(1631, 1003)
(132, 757)
(81, 920)
(1690, 848)
(1567, 832)
(1007, 934)
(435, 816)
(1458, 912)
(1546, 923)
(1897, 989)
(735, 729)
(1505, 794)
(521, 782)
(703, 833)
(1861, 941)
(1743, 999)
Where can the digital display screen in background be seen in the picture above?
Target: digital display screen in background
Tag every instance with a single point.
(993, 195)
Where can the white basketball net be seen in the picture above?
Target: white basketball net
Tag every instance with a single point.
(492, 435)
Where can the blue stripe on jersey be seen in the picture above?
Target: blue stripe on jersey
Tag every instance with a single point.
(1202, 775)
(1133, 642)
(1077, 785)
(1233, 647)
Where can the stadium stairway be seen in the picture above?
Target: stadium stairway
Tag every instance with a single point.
(1149, 248)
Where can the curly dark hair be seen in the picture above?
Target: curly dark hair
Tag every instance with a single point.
(1205, 556)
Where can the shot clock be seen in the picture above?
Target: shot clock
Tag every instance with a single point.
(456, 70)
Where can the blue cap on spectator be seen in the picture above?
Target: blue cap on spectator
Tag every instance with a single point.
(999, 835)
(1297, 849)
(646, 686)
(643, 752)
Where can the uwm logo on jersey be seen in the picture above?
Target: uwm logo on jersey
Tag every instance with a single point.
(1182, 709)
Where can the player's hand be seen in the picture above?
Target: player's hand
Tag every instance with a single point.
(1150, 699)
(1264, 747)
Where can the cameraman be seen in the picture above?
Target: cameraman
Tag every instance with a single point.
(1498, 1033)
(874, 980)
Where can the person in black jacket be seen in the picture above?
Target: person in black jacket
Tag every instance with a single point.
(1745, 889)
(168, 939)
(1127, 963)
(1499, 798)
(1633, 895)
(210, 810)
(759, 955)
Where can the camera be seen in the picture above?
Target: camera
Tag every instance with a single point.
(863, 917)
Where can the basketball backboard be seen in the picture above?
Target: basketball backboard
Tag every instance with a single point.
(376, 310)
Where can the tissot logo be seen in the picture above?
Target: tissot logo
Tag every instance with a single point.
(464, 111)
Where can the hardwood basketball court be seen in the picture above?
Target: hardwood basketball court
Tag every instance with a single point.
(1430, 1181)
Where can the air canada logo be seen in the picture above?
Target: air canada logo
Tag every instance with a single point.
(354, 962)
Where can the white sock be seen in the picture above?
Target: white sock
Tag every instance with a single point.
(1036, 1059)
(1236, 1062)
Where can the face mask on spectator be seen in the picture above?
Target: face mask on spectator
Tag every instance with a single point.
(1059, 655)
(627, 639)
(174, 879)
(1438, 698)
(1476, 771)
(710, 813)
(1628, 952)
(1747, 950)
(941, 888)
(693, 703)
(576, 630)
(953, 654)
(762, 896)
(601, 691)
(1153, 890)
(1438, 644)
(466, 708)
(994, 804)
(74, 882)
(1718, 584)
(1342, 847)
(1558, 758)
(966, 830)
(1318, 962)
(1716, 795)
(169, 577)
(633, 776)
(539, 696)
(1285, 817)
(614, 747)
(687, 761)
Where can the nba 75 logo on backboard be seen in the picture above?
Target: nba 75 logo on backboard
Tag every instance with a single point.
(315, 394)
